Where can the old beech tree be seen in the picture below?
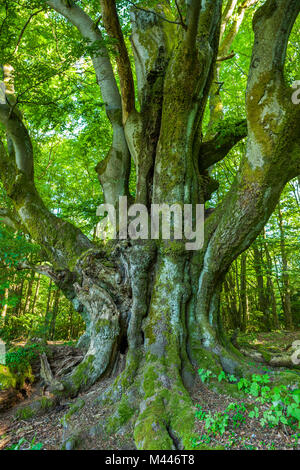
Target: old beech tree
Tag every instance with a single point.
(153, 300)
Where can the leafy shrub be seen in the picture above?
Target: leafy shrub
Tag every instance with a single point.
(217, 423)
(283, 404)
(19, 359)
(23, 444)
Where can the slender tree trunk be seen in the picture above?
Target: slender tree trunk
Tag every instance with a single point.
(4, 309)
(286, 294)
(55, 311)
(71, 326)
(32, 306)
(243, 293)
(230, 287)
(270, 285)
(19, 294)
(48, 308)
(30, 283)
(263, 306)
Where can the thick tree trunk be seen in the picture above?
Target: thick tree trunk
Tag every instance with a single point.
(147, 308)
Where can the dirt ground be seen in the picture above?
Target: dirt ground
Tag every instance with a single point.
(49, 430)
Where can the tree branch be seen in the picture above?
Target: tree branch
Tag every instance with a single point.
(112, 25)
(6, 16)
(9, 217)
(181, 23)
(275, 20)
(268, 98)
(180, 16)
(113, 172)
(99, 54)
(230, 56)
(210, 19)
(64, 279)
(192, 22)
(63, 242)
(20, 138)
(228, 10)
(214, 150)
(226, 42)
(24, 29)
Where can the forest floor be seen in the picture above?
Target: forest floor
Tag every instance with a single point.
(241, 434)
(274, 341)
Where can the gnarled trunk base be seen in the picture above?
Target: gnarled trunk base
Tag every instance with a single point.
(144, 307)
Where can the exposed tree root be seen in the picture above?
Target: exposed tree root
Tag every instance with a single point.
(155, 405)
(149, 400)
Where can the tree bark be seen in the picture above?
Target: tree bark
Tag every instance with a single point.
(261, 292)
(30, 283)
(243, 295)
(32, 306)
(286, 294)
(55, 310)
(270, 285)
